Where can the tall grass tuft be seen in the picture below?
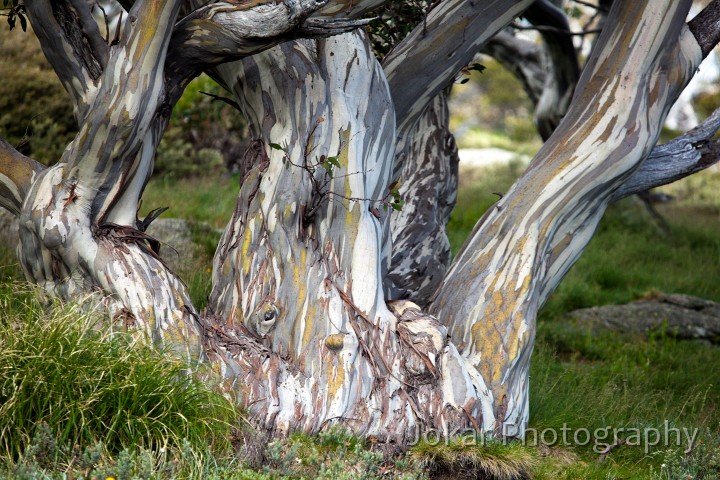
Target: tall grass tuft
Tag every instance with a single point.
(464, 458)
(65, 369)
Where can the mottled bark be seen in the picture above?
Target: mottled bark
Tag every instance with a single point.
(17, 173)
(299, 327)
(418, 69)
(429, 180)
(524, 244)
(69, 243)
(307, 338)
(79, 231)
(73, 46)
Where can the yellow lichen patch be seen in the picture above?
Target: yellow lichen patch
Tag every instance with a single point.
(497, 337)
(344, 160)
(309, 325)
(335, 377)
(247, 240)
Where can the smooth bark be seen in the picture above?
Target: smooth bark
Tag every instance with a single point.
(524, 244)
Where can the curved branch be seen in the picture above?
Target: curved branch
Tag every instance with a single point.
(73, 45)
(522, 58)
(706, 27)
(562, 65)
(693, 151)
(16, 176)
(104, 155)
(223, 32)
(526, 243)
(428, 59)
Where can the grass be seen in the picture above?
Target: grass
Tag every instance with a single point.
(579, 380)
(464, 458)
(67, 379)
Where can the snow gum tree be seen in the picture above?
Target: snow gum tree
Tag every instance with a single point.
(328, 305)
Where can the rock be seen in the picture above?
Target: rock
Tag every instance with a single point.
(176, 245)
(683, 316)
(9, 236)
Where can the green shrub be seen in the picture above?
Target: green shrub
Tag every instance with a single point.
(37, 116)
(204, 134)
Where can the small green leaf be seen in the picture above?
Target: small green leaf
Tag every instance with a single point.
(277, 146)
(333, 161)
(328, 168)
(396, 206)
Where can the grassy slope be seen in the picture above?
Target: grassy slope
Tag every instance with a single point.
(578, 380)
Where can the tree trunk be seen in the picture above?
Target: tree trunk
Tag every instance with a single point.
(298, 273)
(428, 185)
(526, 242)
(299, 327)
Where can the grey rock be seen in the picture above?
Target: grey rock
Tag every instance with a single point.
(683, 316)
(176, 245)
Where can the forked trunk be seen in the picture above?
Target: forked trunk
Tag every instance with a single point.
(308, 322)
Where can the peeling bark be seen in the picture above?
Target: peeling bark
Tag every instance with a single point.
(79, 231)
(298, 271)
(299, 328)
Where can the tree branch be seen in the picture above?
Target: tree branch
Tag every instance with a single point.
(91, 32)
(16, 175)
(72, 44)
(679, 158)
(428, 59)
(224, 32)
(562, 65)
(522, 58)
(706, 27)
(105, 154)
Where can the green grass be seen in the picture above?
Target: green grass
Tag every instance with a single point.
(466, 458)
(579, 379)
(204, 200)
(67, 379)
